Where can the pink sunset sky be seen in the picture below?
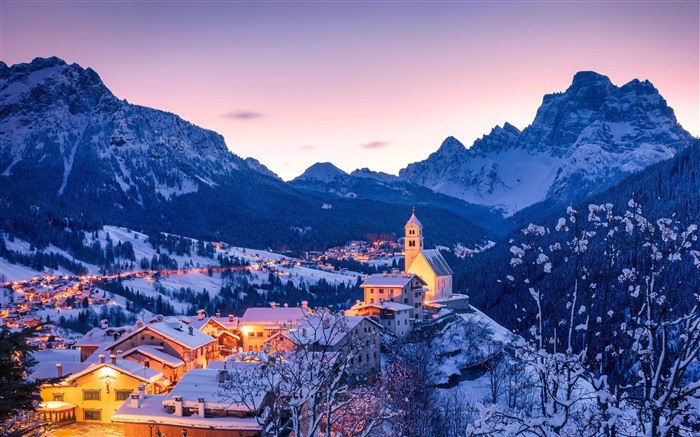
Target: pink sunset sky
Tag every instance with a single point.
(359, 84)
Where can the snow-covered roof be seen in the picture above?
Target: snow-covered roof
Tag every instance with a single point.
(156, 353)
(388, 305)
(99, 336)
(173, 329)
(272, 316)
(151, 411)
(414, 221)
(48, 370)
(130, 368)
(224, 322)
(56, 356)
(204, 383)
(437, 262)
(313, 331)
(388, 280)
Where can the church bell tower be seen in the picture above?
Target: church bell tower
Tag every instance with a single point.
(413, 241)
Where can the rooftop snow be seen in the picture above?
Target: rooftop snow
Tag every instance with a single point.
(172, 329)
(123, 366)
(204, 383)
(379, 280)
(437, 262)
(151, 411)
(48, 370)
(388, 305)
(156, 352)
(272, 316)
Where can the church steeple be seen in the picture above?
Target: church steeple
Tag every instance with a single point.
(413, 241)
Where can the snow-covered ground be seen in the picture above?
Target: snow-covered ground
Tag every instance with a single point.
(196, 281)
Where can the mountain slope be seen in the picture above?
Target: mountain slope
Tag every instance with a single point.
(74, 155)
(581, 142)
(670, 188)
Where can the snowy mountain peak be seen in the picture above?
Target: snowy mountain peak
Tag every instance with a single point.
(581, 141)
(321, 171)
(64, 132)
(451, 146)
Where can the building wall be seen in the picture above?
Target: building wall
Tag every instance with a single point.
(400, 324)
(107, 404)
(254, 337)
(143, 430)
(368, 358)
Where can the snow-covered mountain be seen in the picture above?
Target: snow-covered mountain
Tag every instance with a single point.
(581, 142)
(322, 172)
(59, 121)
(72, 153)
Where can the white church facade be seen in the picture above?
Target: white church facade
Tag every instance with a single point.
(428, 264)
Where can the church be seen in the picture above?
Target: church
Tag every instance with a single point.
(428, 264)
(399, 299)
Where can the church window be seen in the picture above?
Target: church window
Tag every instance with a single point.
(411, 243)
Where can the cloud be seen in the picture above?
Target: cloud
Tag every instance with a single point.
(243, 115)
(307, 147)
(375, 145)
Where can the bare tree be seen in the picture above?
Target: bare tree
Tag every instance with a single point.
(312, 378)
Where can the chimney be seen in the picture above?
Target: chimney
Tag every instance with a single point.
(394, 272)
(115, 336)
(200, 314)
(223, 375)
(113, 358)
(286, 305)
(178, 405)
(357, 302)
(273, 304)
(101, 358)
(120, 353)
(305, 304)
(230, 318)
(200, 406)
(303, 332)
(326, 323)
(139, 323)
(218, 315)
(104, 324)
(191, 329)
(384, 273)
(89, 335)
(142, 390)
(59, 370)
(134, 400)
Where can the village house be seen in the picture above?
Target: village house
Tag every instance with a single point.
(196, 405)
(257, 325)
(164, 344)
(392, 316)
(97, 339)
(224, 329)
(94, 392)
(334, 334)
(404, 288)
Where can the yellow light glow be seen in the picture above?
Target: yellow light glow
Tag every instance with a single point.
(244, 329)
(107, 372)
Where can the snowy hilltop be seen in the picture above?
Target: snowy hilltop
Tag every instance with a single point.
(581, 141)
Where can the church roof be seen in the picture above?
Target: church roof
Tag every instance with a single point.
(437, 262)
(414, 221)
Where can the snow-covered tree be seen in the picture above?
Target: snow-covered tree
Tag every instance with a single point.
(311, 378)
(616, 326)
